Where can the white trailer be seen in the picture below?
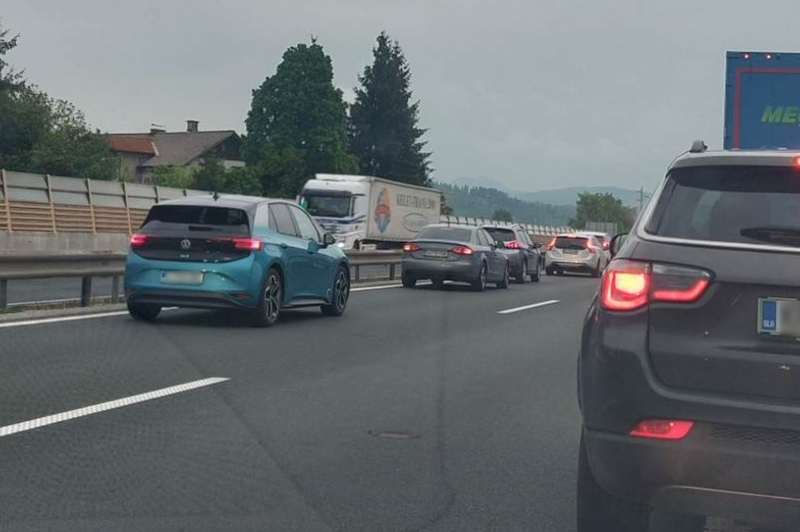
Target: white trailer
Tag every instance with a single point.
(365, 211)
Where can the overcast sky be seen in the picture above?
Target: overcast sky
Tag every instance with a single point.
(533, 94)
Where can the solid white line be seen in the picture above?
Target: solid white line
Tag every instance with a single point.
(44, 302)
(109, 405)
(379, 287)
(43, 321)
(528, 307)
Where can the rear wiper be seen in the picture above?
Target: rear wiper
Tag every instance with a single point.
(789, 236)
(200, 228)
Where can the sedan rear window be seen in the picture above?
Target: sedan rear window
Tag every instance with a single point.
(570, 242)
(197, 218)
(741, 204)
(458, 234)
(503, 235)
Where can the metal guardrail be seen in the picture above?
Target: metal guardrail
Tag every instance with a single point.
(112, 264)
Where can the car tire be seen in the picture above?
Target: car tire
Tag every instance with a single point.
(537, 275)
(270, 300)
(550, 271)
(522, 274)
(340, 294)
(479, 284)
(144, 312)
(505, 282)
(438, 284)
(600, 511)
(409, 281)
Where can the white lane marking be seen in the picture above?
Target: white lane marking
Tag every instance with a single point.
(379, 287)
(44, 302)
(528, 307)
(109, 405)
(42, 321)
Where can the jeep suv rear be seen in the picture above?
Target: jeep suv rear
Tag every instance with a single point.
(689, 371)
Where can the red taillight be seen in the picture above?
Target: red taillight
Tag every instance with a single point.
(591, 247)
(606, 245)
(513, 244)
(138, 241)
(463, 250)
(662, 429)
(247, 244)
(411, 247)
(797, 161)
(551, 245)
(629, 285)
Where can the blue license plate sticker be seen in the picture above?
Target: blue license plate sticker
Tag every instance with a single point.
(768, 316)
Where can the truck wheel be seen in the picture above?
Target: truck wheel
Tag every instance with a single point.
(600, 511)
(409, 281)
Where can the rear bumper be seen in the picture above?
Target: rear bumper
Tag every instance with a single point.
(466, 270)
(573, 265)
(704, 474)
(190, 299)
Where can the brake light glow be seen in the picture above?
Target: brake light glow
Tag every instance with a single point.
(410, 247)
(682, 296)
(629, 285)
(591, 247)
(247, 244)
(138, 240)
(463, 250)
(606, 245)
(797, 161)
(662, 429)
(625, 285)
(513, 244)
(551, 245)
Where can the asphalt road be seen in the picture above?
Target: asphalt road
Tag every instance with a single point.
(416, 410)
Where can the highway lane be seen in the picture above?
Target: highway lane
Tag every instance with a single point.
(417, 410)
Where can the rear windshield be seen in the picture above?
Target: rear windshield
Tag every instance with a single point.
(197, 218)
(503, 235)
(570, 242)
(457, 234)
(742, 204)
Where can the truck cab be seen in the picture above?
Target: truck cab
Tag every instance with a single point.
(339, 203)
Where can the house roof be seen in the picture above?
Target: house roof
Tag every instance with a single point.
(177, 148)
(132, 145)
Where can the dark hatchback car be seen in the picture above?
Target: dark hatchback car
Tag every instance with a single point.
(454, 253)
(524, 258)
(689, 371)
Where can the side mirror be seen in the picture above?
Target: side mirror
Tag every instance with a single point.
(328, 240)
(537, 245)
(616, 243)
(498, 244)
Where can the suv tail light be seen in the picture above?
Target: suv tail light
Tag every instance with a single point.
(513, 244)
(591, 247)
(247, 244)
(630, 285)
(411, 247)
(662, 429)
(551, 245)
(138, 240)
(463, 250)
(606, 245)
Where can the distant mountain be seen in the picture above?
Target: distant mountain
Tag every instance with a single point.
(568, 196)
(482, 181)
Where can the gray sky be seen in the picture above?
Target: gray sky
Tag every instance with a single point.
(533, 94)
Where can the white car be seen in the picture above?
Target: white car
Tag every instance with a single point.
(576, 252)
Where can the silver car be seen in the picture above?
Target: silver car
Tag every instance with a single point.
(524, 258)
(576, 253)
(454, 253)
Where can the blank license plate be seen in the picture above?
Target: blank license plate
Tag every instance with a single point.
(436, 254)
(780, 317)
(569, 251)
(182, 277)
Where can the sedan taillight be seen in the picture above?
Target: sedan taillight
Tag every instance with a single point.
(630, 285)
(411, 247)
(463, 250)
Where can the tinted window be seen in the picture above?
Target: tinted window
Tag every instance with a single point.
(503, 235)
(283, 219)
(755, 205)
(305, 225)
(197, 218)
(333, 206)
(571, 242)
(458, 234)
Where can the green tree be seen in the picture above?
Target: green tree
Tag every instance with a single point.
(173, 176)
(444, 208)
(597, 208)
(244, 180)
(10, 80)
(25, 116)
(297, 123)
(210, 175)
(383, 120)
(502, 215)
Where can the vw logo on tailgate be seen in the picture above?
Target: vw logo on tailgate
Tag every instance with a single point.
(186, 244)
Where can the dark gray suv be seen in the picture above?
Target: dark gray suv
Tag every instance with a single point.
(689, 370)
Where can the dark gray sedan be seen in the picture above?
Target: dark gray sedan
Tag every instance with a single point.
(454, 253)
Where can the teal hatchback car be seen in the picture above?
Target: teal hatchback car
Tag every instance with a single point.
(234, 252)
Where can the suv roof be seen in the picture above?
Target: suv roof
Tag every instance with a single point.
(223, 200)
(738, 157)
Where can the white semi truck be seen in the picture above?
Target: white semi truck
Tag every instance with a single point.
(364, 211)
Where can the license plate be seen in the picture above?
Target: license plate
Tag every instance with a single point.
(779, 317)
(569, 251)
(436, 254)
(182, 277)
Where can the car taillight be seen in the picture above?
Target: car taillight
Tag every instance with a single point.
(513, 244)
(551, 245)
(662, 429)
(591, 247)
(463, 250)
(138, 240)
(411, 247)
(606, 245)
(247, 244)
(629, 285)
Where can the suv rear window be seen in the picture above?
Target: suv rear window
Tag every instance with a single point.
(742, 204)
(197, 218)
(503, 235)
(571, 242)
